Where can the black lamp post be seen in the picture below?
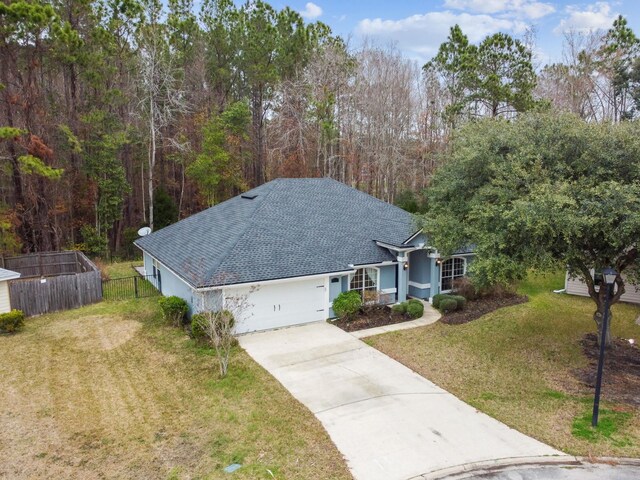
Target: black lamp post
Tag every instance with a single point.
(609, 276)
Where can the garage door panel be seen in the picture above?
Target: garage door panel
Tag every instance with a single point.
(280, 305)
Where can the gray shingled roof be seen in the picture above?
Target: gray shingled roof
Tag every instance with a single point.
(293, 227)
(8, 274)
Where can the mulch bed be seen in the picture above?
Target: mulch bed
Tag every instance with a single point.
(369, 317)
(477, 308)
(621, 377)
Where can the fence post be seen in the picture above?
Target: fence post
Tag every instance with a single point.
(135, 285)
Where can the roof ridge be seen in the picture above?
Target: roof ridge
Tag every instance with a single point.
(210, 272)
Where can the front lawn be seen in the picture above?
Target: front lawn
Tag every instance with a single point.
(518, 364)
(109, 391)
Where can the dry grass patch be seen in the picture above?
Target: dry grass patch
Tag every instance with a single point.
(108, 391)
(518, 365)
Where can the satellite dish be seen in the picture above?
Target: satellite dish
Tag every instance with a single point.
(144, 231)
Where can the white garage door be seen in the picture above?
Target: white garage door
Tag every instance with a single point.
(281, 304)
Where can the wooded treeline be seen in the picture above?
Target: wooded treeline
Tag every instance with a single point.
(116, 114)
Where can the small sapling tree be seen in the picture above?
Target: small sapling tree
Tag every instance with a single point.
(217, 319)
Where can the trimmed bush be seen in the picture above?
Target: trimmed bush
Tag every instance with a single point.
(174, 309)
(400, 308)
(448, 305)
(415, 309)
(460, 300)
(438, 298)
(198, 326)
(12, 321)
(347, 303)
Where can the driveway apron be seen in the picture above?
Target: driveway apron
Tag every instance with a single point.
(388, 422)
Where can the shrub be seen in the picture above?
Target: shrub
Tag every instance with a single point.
(438, 298)
(104, 275)
(460, 300)
(94, 244)
(174, 309)
(371, 297)
(400, 308)
(448, 305)
(415, 309)
(347, 303)
(498, 291)
(12, 321)
(198, 326)
(463, 286)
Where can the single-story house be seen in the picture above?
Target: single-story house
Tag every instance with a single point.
(290, 247)
(576, 286)
(5, 300)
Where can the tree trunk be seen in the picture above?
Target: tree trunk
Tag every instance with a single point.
(598, 317)
(258, 140)
(152, 161)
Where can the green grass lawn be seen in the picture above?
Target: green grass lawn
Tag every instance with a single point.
(516, 365)
(122, 282)
(110, 391)
(120, 269)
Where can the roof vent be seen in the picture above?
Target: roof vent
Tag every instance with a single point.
(248, 196)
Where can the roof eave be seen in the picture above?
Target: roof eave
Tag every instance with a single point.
(205, 288)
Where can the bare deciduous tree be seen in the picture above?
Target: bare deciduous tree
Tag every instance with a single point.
(161, 96)
(217, 318)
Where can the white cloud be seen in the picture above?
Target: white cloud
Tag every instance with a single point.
(311, 11)
(530, 9)
(597, 16)
(421, 35)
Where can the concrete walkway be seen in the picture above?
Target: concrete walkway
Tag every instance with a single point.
(430, 315)
(388, 422)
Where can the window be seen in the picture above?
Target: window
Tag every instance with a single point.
(365, 279)
(450, 270)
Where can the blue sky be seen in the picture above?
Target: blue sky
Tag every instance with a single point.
(418, 27)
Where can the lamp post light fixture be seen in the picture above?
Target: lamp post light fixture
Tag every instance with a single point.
(609, 275)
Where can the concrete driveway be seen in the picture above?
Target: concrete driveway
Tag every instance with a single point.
(389, 422)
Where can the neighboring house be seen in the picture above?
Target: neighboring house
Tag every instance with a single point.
(292, 246)
(5, 300)
(575, 286)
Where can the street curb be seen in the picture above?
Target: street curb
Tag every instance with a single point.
(470, 470)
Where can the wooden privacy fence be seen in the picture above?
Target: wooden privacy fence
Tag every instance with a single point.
(46, 264)
(46, 286)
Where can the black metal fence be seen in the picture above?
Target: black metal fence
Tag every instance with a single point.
(124, 288)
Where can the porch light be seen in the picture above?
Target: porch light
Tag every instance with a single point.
(406, 265)
(609, 275)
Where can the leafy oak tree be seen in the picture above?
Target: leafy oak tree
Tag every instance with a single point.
(542, 193)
